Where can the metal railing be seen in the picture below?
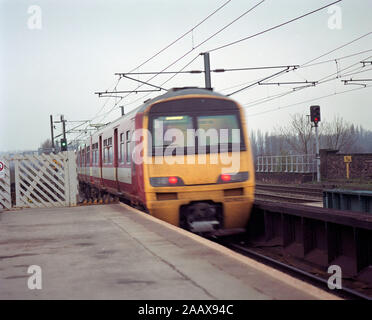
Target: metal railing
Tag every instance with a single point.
(305, 163)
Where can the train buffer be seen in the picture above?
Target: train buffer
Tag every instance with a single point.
(117, 252)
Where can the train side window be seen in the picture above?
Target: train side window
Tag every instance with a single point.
(95, 153)
(127, 147)
(83, 158)
(88, 156)
(121, 151)
(104, 151)
(109, 150)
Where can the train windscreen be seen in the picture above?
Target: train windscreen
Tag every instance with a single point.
(171, 129)
(199, 128)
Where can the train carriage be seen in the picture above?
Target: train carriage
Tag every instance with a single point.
(184, 157)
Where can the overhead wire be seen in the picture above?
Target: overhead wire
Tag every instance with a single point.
(307, 64)
(181, 37)
(195, 47)
(168, 46)
(306, 101)
(142, 97)
(274, 27)
(340, 47)
(321, 81)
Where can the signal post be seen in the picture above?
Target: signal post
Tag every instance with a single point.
(315, 118)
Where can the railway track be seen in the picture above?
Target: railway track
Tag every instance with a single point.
(316, 277)
(309, 191)
(269, 196)
(291, 194)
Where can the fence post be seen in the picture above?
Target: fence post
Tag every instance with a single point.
(17, 184)
(72, 179)
(286, 163)
(5, 192)
(258, 164)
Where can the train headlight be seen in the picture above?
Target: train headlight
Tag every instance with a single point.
(233, 177)
(166, 181)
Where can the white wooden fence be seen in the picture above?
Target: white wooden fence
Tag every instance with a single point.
(41, 180)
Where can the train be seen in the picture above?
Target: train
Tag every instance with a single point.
(183, 157)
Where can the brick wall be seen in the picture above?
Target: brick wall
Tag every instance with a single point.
(334, 167)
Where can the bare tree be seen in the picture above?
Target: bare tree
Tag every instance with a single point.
(298, 134)
(299, 137)
(46, 146)
(339, 135)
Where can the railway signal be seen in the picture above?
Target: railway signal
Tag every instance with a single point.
(315, 114)
(63, 144)
(315, 118)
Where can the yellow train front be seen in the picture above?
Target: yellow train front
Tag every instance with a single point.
(197, 165)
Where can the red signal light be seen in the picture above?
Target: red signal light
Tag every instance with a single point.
(225, 177)
(172, 180)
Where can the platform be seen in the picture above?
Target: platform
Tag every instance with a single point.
(116, 252)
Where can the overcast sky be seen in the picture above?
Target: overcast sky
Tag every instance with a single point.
(54, 57)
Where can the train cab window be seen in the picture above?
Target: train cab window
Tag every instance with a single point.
(172, 130)
(127, 147)
(223, 126)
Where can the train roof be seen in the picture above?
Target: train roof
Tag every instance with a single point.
(174, 92)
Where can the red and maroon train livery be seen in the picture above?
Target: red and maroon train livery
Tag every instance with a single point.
(149, 158)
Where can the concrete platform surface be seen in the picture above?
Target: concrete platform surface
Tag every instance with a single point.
(116, 252)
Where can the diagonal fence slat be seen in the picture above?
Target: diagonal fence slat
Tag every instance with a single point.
(34, 185)
(58, 167)
(45, 180)
(50, 175)
(5, 190)
(48, 188)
